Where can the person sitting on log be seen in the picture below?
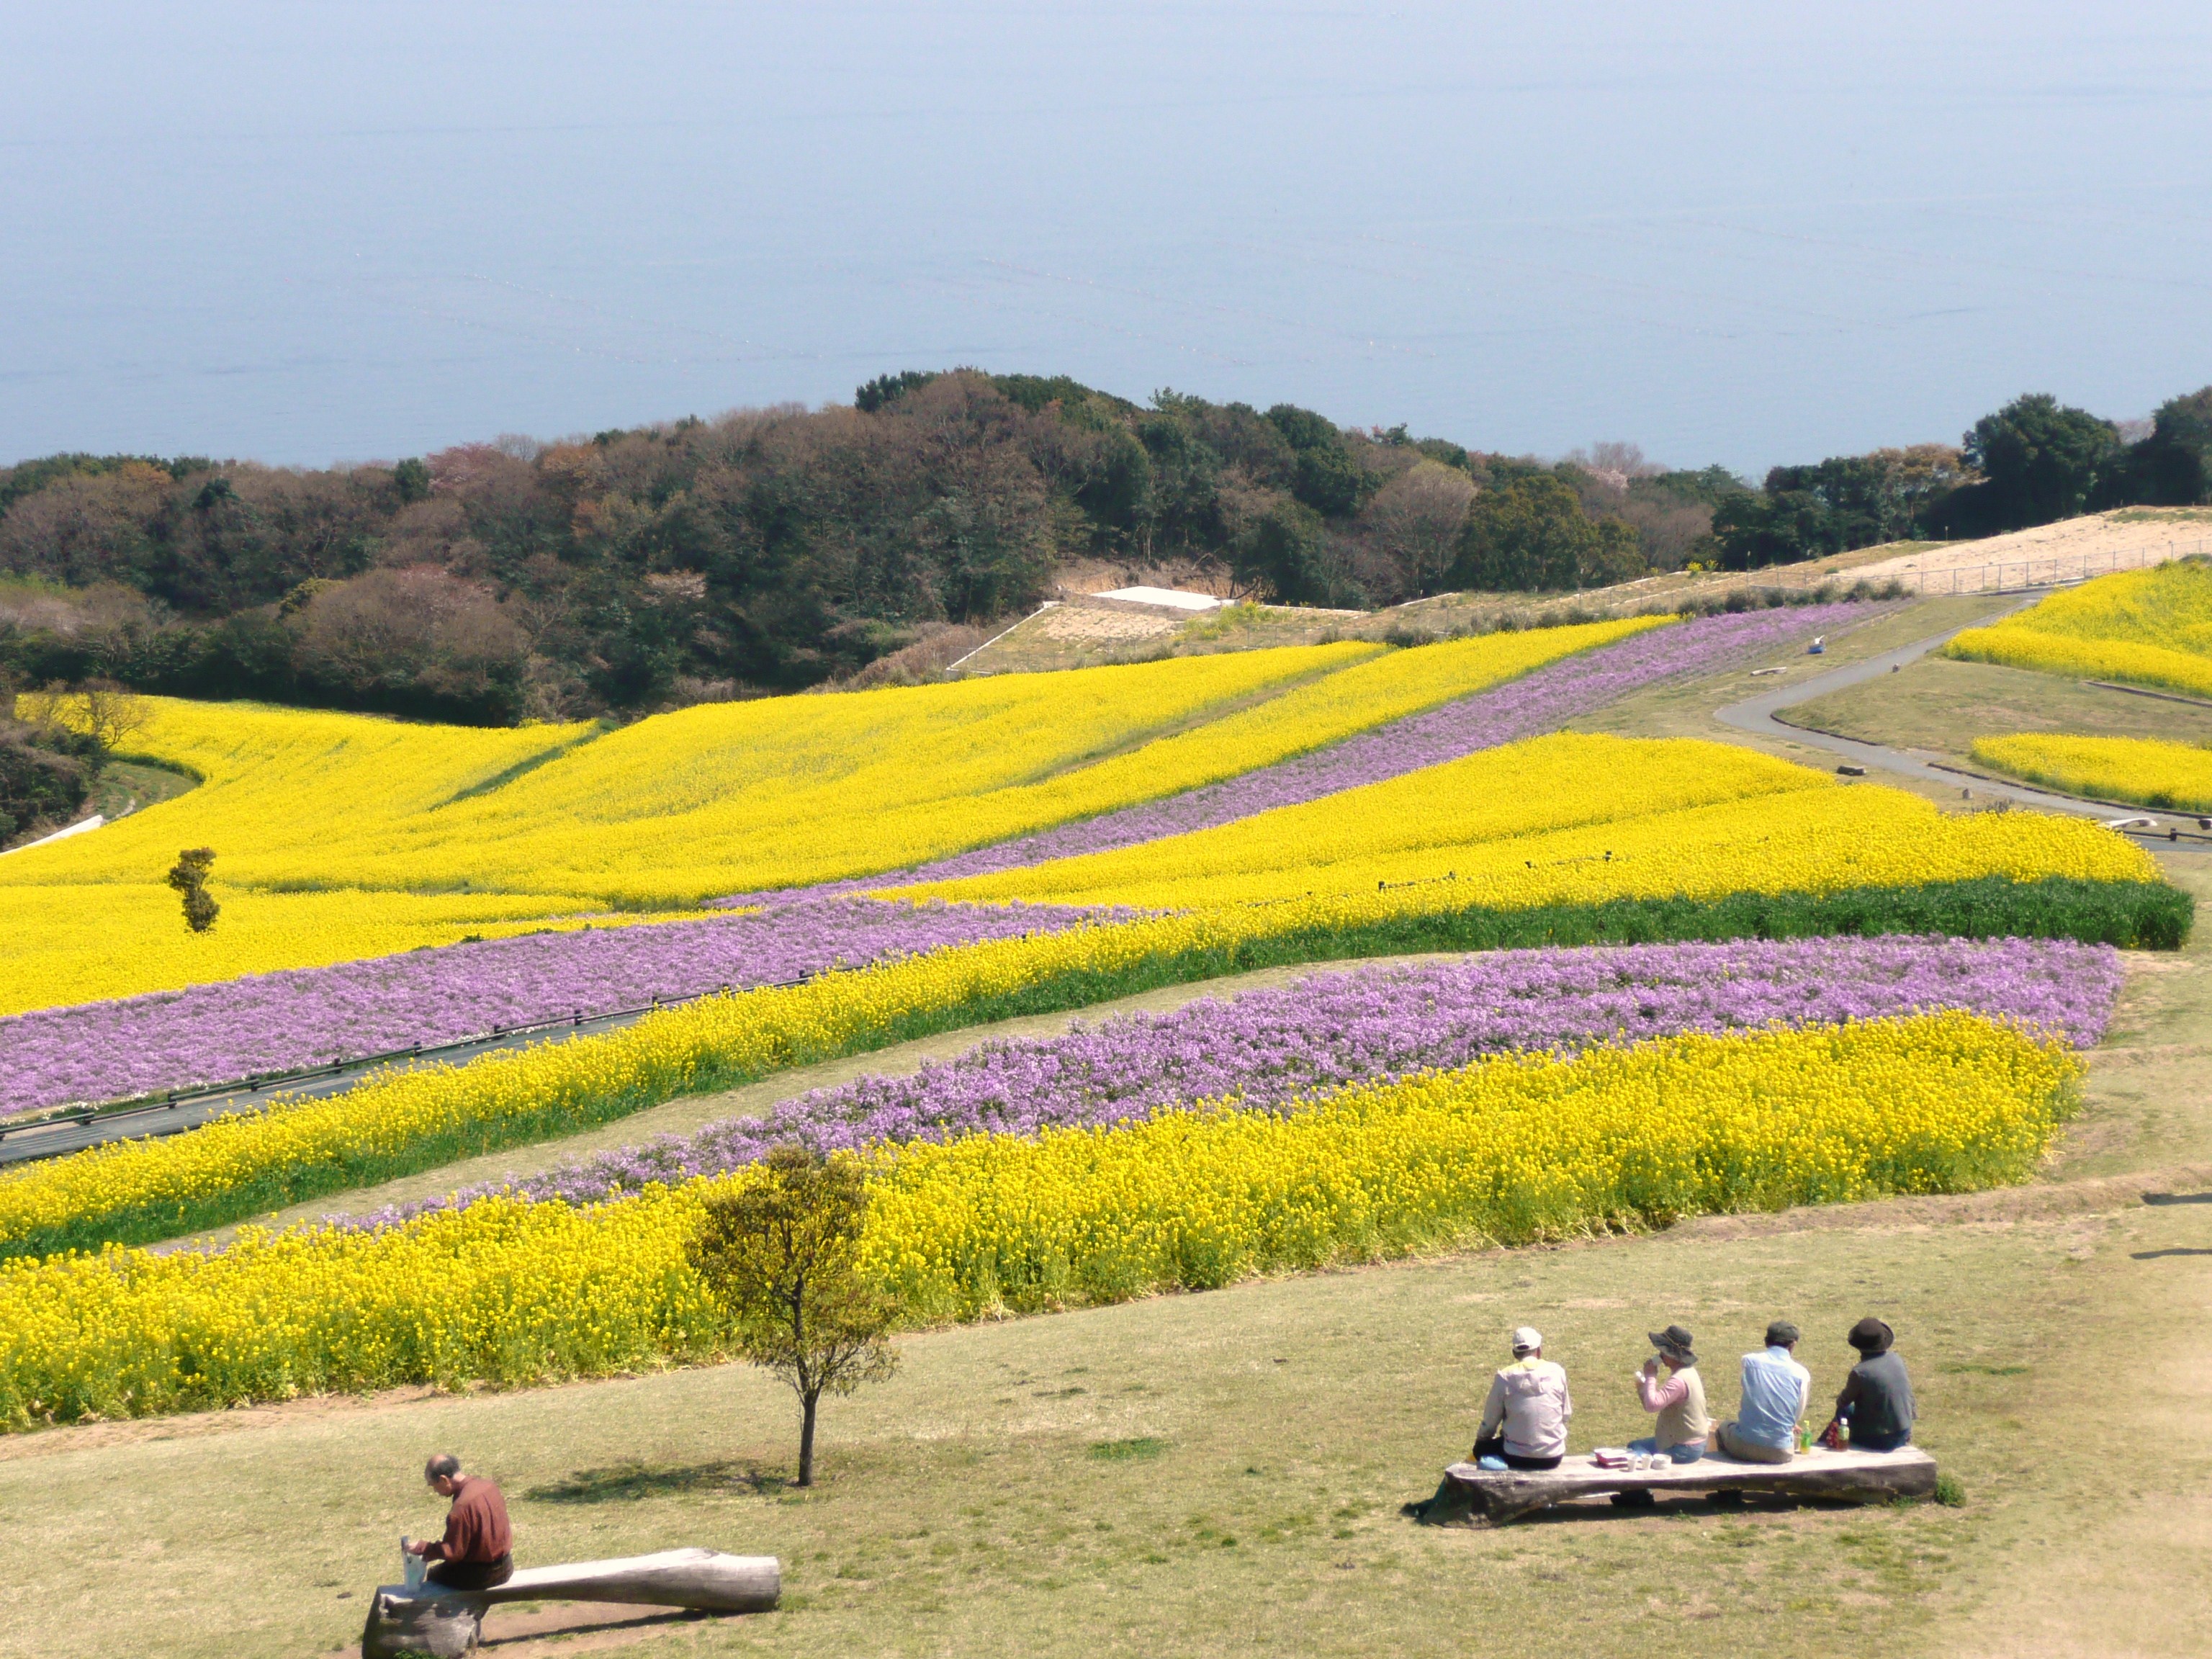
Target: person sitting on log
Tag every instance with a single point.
(478, 1551)
(1775, 1390)
(1877, 1397)
(1524, 1421)
(1679, 1402)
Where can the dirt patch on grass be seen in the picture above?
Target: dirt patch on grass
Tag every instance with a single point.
(2127, 538)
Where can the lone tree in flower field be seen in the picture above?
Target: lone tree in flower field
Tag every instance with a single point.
(780, 1254)
(189, 877)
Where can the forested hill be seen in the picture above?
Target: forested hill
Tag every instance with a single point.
(775, 550)
(766, 550)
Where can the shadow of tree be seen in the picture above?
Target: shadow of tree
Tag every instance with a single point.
(626, 1483)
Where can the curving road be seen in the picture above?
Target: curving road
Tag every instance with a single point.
(1757, 715)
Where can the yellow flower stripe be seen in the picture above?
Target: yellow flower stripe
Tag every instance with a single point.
(2169, 775)
(382, 817)
(2146, 627)
(1580, 819)
(1508, 1150)
(1822, 838)
(339, 836)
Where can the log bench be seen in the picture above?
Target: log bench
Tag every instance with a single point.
(1474, 1495)
(447, 1623)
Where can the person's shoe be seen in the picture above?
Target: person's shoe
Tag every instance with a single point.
(1637, 1498)
(1495, 1465)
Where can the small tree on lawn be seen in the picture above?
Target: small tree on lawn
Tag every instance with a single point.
(780, 1254)
(189, 877)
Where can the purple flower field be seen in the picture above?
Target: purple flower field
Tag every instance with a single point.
(1539, 701)
(311, 1016)
(1268, 1048)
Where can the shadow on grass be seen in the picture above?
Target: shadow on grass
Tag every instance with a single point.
(1677, 1506)
(2177, 1198)
(641, 1624)
(2153, 1255)
(627, 1483)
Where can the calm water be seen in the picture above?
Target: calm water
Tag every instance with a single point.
(307, 232)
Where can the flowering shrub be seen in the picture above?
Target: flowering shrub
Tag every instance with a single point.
(1267, 1049)
(1507, 1151)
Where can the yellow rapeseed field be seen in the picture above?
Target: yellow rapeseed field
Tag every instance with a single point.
(2177, 775)
(1507, 1151)
(1574, 818)
(2145, 627)
(1799, 833)
(340, 836)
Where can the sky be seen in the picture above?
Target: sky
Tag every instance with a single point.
(309, 232)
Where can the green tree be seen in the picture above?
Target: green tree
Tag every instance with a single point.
(189, 877)
(1281, 552)
(1532, 535)
(2042, 459)
(780, 1255)
(2172, 467)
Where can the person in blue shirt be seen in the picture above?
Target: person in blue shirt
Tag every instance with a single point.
(1775, 1390)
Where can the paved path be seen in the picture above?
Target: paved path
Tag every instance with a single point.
(1757, 715)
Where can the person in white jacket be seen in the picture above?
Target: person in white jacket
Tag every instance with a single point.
(1524, 1421)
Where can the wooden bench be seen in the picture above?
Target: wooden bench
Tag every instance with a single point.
(1470, 1495)
(447, 1623)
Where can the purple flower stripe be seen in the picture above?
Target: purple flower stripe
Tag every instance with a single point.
(312, 1016)
(1539, 701)
(1267, 1049)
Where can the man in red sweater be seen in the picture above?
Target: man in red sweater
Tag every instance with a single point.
(477, 1549)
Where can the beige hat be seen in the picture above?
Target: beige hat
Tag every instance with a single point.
(1526, 1337)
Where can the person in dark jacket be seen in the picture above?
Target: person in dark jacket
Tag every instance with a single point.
(1877, 1398)
(478, 1551)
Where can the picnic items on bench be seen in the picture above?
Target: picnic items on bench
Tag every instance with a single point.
(1470, 1495)
(430, 1618)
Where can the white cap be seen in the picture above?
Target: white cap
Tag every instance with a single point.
(1526, 1337)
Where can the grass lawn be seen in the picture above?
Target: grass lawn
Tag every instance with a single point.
(1943, 706)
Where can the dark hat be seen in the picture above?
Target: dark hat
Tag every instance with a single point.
(1870, 1337)
(1782, 1334)
(1674, 1343)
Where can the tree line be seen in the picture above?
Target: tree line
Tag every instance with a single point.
(2034, 461)
(781, 549)
(767, 551)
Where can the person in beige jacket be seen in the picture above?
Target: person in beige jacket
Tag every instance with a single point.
(1679, 1402)
(1524, 1420)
